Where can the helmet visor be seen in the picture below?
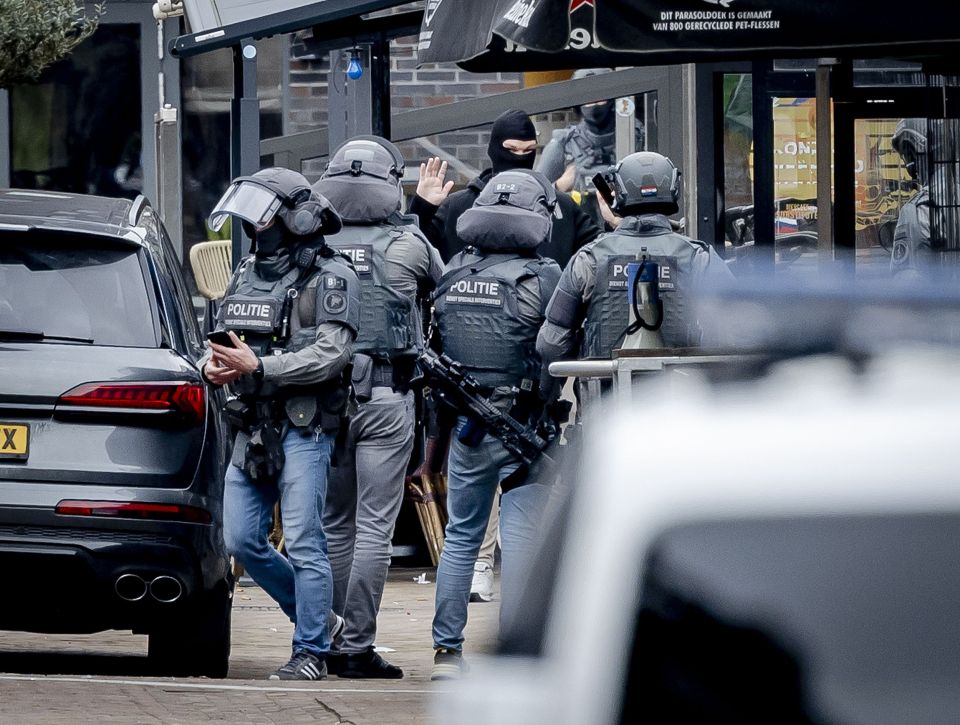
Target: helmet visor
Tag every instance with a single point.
(251, 202)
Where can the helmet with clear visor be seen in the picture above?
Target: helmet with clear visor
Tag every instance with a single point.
(276, 192)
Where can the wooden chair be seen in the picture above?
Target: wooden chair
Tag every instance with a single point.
(212, 266)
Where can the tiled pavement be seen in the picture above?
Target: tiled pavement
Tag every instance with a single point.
(66, 680)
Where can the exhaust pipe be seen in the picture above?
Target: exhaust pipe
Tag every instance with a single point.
(130, 587)
(166, 589)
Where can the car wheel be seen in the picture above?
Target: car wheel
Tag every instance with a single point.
(198, 646)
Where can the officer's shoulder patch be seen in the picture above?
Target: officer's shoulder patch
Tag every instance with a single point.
(334, 302)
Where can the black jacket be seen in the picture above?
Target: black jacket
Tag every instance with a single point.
(571, 231)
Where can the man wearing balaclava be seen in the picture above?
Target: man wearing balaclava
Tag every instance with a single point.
(576, 153)
(513, 143)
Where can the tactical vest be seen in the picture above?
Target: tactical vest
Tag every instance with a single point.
(608, 311)
(477, 312)
(281, 315)
(589, 159)
(389, 323)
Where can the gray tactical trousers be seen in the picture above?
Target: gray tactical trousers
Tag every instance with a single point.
(364, 494)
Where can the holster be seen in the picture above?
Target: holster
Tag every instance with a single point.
(240, 414)
(263, 457)
(362, 377)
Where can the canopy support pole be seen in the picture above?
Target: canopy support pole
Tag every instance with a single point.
(244, 127)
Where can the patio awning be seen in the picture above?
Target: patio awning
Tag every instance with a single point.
(492, 34)
(462, 32)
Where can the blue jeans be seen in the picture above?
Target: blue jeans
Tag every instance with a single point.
(473, 477)
(301, 582)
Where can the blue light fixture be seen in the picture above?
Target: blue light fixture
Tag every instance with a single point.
(355, 69)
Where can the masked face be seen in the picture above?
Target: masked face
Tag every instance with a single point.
(598, 116)
(268, 241)
(513, 131)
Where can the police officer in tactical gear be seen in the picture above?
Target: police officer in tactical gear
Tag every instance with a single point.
(291, 312)
(512, 145)
(592, 292)
(577, 153)
(395, 264)
(489, 306)
(912, 253)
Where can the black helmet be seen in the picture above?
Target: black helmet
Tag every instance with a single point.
(276, 192)
(644, 183)
(362, 179)
(910, 141)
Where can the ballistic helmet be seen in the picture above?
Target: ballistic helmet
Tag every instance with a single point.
(645, 183)
(513, 212)
(910, 141)
(276, 193)
(362, 180)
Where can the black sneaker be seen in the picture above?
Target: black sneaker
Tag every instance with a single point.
(334, 662)
(302, 666)
(447, 664)
(367, 665)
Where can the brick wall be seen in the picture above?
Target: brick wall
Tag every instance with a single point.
(412, 88)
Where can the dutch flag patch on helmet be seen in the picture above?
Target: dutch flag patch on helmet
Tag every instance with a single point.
(648, 191)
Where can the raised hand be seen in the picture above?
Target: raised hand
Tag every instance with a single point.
(431, 186)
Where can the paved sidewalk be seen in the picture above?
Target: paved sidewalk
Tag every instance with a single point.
(60, 679)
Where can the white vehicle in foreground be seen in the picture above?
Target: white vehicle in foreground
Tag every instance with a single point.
(783, 550)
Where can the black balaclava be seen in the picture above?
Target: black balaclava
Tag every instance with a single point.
(272, 248)
(599, 117)
(515, 125)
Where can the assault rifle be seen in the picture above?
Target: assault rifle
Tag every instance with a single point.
(462, 391)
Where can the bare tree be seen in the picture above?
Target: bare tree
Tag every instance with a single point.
(36, 33)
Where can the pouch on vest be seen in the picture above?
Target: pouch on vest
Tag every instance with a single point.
(362, 377)
(263, 457)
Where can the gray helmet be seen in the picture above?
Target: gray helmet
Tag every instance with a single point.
(362, 179)
(276, 192)
(910, 141)
(587, 72)
(645, 182)
(513, 212)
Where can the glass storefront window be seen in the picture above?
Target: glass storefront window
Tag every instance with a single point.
(78, 128)
(882, 188)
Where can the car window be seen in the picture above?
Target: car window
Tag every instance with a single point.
(74, 287)
(831, 619)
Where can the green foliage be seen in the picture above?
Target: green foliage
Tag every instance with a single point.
(36, 33)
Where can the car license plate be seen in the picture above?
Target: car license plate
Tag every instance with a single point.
(14, 440)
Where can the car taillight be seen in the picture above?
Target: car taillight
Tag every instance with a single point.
(133, 510)
(187, 399)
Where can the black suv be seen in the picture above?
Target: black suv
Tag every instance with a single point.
(112, 451)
